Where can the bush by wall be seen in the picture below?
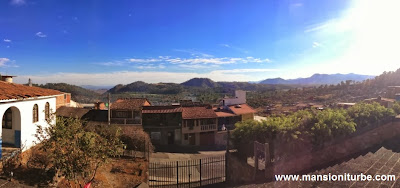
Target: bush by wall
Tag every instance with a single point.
(306, 130)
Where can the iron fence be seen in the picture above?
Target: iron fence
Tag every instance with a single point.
(191, 173)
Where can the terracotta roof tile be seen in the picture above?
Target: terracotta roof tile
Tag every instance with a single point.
(198, 112)
(241, 109)
(161, 109)
(130, 103)
(16, 91)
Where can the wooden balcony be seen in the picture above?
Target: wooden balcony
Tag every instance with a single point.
(124, 121)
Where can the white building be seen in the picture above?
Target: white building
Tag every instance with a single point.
(240, 98)
(22, 108)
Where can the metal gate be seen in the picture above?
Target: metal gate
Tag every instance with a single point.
(192, 173)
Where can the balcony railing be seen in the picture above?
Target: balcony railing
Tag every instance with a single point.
(208, 127)
(126, 121)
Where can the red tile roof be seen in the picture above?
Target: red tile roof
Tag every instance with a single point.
(129, 103)
(161, 109)
(242, 109)
(198, 112)
(17, 91)
(224, 114)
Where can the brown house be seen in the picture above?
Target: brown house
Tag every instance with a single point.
(386, 102)
(128, 111)
(163, 124)
(199, 125)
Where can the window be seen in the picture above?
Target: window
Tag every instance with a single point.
(122, 114)
(35, 113)
(186, 136)
(190, 123)
(47, 111)
(7, 119)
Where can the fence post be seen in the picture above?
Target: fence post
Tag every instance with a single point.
(200, 172)
(177, 174)
(267, 159)
(227, 157)
(255, 160)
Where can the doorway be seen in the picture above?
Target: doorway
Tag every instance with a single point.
(171, 138)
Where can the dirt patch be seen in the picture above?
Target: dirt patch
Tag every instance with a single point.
(119, 172)
(30, 168)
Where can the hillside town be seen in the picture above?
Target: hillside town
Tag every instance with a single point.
(187, 126)
(199, 93)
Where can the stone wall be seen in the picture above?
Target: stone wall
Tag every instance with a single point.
(338, 150)
(240, 172)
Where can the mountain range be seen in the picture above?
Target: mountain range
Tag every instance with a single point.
(318, 79)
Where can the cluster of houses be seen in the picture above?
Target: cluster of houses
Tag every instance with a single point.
(183, 123)
(23, 107)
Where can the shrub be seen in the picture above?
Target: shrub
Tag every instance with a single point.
(307, 129)
(136, 139)
(76, 153)
(365, 114)
(396, 107)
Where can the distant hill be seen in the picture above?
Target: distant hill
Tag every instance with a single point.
(142, 87)
(318, 79)
(194, 85)
(200, 82)
(91, 87)
(79, 94)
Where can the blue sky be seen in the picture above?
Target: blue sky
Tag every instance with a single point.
(112, 42)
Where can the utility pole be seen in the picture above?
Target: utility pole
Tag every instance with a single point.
(109, 109)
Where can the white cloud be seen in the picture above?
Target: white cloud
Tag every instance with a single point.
(151, 66)
(18, 2)
(151, 60)
(235, 48)
(7, 40)
(40, 34)
(316, 45)
(194, 53)
(318, 27)
(112, 63)
(296, 4)
(5, 62)
(187, 62)
(197, 66)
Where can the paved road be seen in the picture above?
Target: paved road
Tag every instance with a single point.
(380, 160)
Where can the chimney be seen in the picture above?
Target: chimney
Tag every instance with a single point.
(30, 82)
(7, 78)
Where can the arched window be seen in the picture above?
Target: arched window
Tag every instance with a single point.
(47, 111)
(7, 119)
(35, 113)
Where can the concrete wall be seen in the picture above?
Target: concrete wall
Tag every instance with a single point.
(220, 138)
(26, 126)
